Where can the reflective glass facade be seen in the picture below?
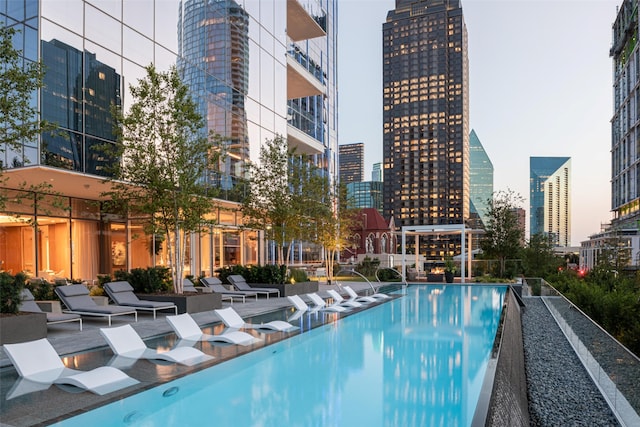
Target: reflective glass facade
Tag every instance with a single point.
(366, 194)
(258, 69)
(625, 123)
(426, 117)
(550, 198)
(480, 178)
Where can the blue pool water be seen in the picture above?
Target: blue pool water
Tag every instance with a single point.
(418, 360)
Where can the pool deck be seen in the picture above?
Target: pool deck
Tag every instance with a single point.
(44, 407)
(87, 349)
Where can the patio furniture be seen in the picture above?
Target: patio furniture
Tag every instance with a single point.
(187, 329)
(29, 304)
(215, 284)
(125, 342)
(321, 304)
(339, 300)
(77, 300)
(241, 284)
(122, 294)
(353, 296)
(233, 320)
(39, 366)
(188, 286)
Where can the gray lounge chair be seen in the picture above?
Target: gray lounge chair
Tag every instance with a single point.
(188, 286)
(29, 304)
(241, 284)
(122, 294)
(77, 300)
(216, 285)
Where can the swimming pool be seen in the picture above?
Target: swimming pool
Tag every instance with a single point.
(416, 360)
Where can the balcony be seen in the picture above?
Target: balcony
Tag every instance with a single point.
(300, 81)
(301, 25)
(303, 143)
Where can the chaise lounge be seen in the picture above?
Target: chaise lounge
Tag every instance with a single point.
(233, 320)
(125, 342)
(215, 284)
(187, 329)
(353, 296)
(29, 304)
(321, 304)
(122, 294)
(77, 300)
(339, 300)
(39, 366)
(241, 284)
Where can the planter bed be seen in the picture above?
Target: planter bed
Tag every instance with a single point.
(188, 303)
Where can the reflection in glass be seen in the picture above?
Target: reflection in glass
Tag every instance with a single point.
(62, 149)
(216, 36)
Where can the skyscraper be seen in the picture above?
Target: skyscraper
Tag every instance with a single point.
(480, 178)
(256, 69)
(550, 198)
(351, 162)
(625, 127)
(376, 172)
(367, 194)
(426, 117)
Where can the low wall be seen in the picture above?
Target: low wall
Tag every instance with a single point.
(508, 403)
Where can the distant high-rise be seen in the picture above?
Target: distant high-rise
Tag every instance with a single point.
(480, 178)
(365, 194)
(625, 124)
(426, 117)
(351, 162)
(376, 173)
(550, 198)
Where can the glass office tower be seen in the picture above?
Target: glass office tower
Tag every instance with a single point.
(257, 69)
(480, 180)
(550, 198)
(426, 118)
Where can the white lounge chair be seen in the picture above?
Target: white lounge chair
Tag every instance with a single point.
(122, 294)
(187, 329)
(125, 342)
(28, 303)
(233, 320)
(339, 300)
(241, 284)
(353, 296)
(301, 307)
(216, 285)
(77, 300)
(321, 304)
(39, 366)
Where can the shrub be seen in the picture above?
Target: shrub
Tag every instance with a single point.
(41, 289)
(367, 267)
(10, 289)
(298, 275)
(147, 280)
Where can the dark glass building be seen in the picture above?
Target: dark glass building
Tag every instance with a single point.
(425, 118)
(351, 159)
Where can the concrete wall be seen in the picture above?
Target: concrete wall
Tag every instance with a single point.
(509, 403)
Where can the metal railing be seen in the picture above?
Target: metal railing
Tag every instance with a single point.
(373, 288)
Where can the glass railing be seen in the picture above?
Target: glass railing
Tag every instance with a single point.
(611, 365)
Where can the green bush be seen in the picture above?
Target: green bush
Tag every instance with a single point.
(367, 267)
(298, 275)
(147, 280)
(10, 289)
(41, 289)
(389, 275)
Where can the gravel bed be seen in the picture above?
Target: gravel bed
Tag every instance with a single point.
(561, 393)
(615, 360)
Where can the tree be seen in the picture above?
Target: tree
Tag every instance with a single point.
(164, 156)
(335, 227)
(538, 258)
(20, 121)
(274, 202)
(503, 235)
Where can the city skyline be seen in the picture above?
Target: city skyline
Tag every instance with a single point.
(547, 92)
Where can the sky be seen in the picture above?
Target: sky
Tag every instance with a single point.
(540, 85)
